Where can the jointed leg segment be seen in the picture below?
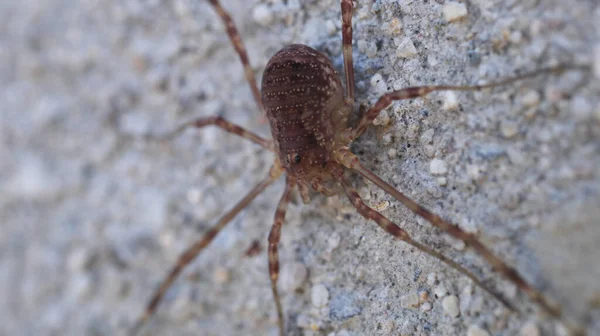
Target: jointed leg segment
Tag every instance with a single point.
(347, 49)
(396, 231)
(274, 237)
(238, 45)
(192, 252)
(420, 91)
(221, 123)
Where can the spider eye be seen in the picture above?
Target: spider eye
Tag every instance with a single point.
(297, 159)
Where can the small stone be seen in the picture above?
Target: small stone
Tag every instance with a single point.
(475, 330)
(509, 129)
(378, 84)
(293, 276)
(333, 241)
(438, 167)
(392, 153)
(450, 305)
(442, 181)
(221, 275)
(406, 48)
(331, 28)
(426, 306)
(440, 291)
(409, 300)
(431, 279)
(387, 327)
(319, 295)
(386, 139)
(450, 101)
(531, 98)
(383, 119)
(530, 329)
(474, 172)
(454, 11)
(429, 150)
(262, 14)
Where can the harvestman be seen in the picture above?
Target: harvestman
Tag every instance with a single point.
(308, 108)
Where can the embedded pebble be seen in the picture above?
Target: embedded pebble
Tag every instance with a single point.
(450, 305)
(440, 291)
(262, 14)
(383, 119)
(475, 330)
(333, 241)
(293, 276)
(319, 295)
(406, 48)
(431, 279)
(426, 306)
(386, 139)
(438, 167)
(450, 101)
(386, 327)
(378, 84)
(454, 11)
(221, 275)
(530, 329)
(531, 98)
(509, 129)
(392, 153)
(409, 300)
(442, 181)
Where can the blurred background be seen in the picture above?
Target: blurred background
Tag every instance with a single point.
(92, 220)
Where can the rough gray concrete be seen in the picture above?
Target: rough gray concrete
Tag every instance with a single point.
(91, 221)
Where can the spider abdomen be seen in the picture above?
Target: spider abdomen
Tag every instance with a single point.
(300, 90)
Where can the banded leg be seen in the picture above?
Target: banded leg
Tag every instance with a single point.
(274, 237)
(349, 160)
(238, 45)
(192, 252)
(396, 231)
(219, 122)
(419, 91)
(347, 49)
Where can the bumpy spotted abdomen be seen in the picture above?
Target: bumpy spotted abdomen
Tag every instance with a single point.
(300, 91)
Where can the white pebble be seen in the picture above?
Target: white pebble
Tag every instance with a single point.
(431, 279)
(262, 14)
(409, 300)
(406, 48)
(333, 242)
(454, 11)
(440, 291)
(383, 119)
(319, 295)
(442, 181)
(331, 28)
(387, 327)
(509, 129)
(450, 305)
(450, 101)
(531, 98)
(530, 329)
(425, 307)
(392, 153)
(293, 276)
(438, 167)
(378, 84)
(475, 330)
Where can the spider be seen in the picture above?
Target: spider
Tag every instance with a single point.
(308, 110)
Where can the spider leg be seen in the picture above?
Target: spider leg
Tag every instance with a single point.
(274, 237)
(238, 45)
(347, 49)
(192, 252)
(396, 231)
(419, 91)
(215, 121)
(349, 160)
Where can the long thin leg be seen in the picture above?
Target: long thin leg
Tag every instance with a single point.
(274, 237)
(192, 252)
(239, 47)
(219, 122)
(419, 91)
(347, 49)
(399, 233)
(349, 160)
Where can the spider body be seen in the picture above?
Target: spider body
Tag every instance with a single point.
(302, 93)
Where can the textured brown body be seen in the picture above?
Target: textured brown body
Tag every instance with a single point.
(304, 100)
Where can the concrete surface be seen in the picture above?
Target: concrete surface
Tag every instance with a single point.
(91, 221)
